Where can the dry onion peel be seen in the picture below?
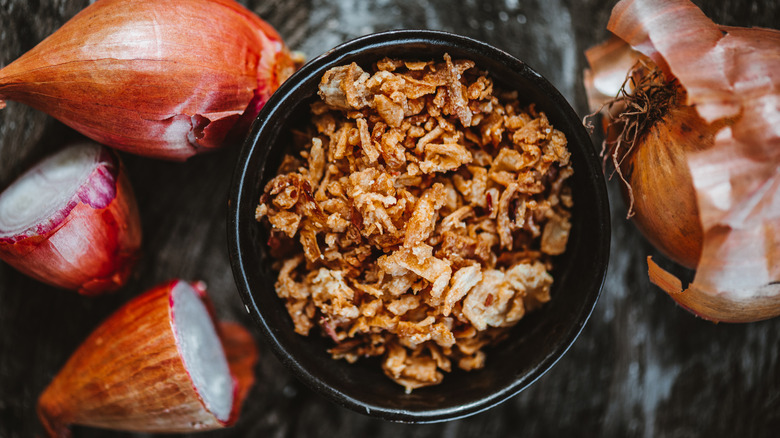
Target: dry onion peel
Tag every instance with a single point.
(165, 80)
(731, 77)
(158, 364)
(72, 221)
(609, 62)
(763, 304)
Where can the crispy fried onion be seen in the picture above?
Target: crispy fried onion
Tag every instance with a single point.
(419, 215)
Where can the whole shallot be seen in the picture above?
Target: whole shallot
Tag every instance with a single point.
(161, 79)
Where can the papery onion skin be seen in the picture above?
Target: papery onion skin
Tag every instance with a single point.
(129, 374)
(92, 244)
(160, 79)
(713, 306)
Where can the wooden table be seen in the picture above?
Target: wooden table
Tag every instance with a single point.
(642, 366)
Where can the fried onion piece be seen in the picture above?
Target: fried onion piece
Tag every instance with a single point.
(419, 260)
(410, 371)
(462, 282)
(443, 157)
(555, 235)
(345, 87)
(489, 303)
(423, 220)
(455, 93)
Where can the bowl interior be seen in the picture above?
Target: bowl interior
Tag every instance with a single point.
(539, 339)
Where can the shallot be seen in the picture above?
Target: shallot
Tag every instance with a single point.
(159, 364)
(72, 221)
(161, 79)
(692, 130)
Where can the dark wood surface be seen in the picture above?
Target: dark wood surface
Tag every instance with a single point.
(642, 366)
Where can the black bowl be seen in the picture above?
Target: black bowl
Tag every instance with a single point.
(539, 339)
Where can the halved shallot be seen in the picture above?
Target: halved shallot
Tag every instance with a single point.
(156, 365)
(72, 221)
(162, 79)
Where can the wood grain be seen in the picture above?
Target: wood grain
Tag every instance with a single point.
(642, 366)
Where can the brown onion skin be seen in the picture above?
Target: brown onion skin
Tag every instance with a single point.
(664, 200)
(713, 306)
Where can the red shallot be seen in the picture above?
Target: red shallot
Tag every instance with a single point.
(159, 364)
(72, 221)
(161, 79)
(694, 132)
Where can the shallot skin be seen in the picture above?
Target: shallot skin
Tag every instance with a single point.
(159, 79)
(92, 245)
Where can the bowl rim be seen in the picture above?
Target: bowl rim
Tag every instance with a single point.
(239, 186)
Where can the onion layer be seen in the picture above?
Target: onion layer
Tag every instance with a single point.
(159, 364)
(72, 221)
(160, 79)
